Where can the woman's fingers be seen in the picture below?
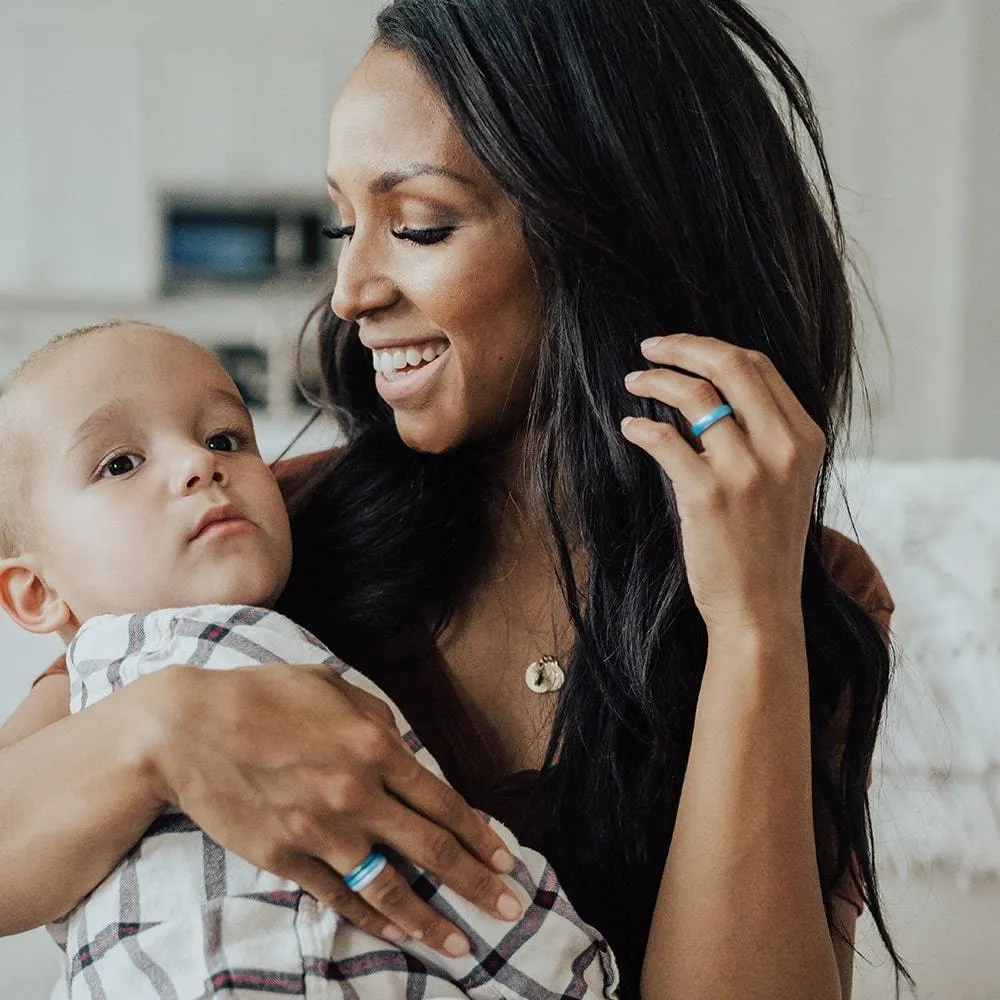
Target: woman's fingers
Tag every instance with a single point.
(391, 895)
(685, 468)
(435, 849)
(321, 881)
(430, 824)
(386, 907)
(736, 373)
(424, 792)
(694, 397)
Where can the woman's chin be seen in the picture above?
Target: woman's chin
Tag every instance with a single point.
(422, 433)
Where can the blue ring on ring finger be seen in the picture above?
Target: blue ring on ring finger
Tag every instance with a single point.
(364, 874)
(712, 417)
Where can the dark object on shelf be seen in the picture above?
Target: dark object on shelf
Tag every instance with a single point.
(239, 240)
(247, 366)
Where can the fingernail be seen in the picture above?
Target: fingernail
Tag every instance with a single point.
(503, 861)
(626, 421)
(631, 377)
(393, 933)
(456, 945)
(508, 907)
(650, 342)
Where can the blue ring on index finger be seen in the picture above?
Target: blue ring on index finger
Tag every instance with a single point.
(712, 417)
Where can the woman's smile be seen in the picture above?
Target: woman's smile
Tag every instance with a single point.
(403, 373)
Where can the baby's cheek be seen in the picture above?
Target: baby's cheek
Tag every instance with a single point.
(279, 532)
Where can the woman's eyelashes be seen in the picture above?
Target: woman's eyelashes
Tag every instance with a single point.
(422, 237)
(332, 232)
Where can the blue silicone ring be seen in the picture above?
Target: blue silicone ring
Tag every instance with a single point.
(365, 873)
(712, 417)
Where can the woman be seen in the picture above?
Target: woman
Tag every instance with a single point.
(527, 192)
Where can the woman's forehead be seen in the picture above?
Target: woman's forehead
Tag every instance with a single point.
(388, 117)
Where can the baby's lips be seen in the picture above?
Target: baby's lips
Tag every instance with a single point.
(221, 512)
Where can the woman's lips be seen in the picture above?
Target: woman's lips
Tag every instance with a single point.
(400, 385)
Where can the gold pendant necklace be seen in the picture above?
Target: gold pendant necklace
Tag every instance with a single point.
(544, 675)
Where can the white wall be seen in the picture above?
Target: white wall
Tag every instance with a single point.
(106, 104)
(909, 94)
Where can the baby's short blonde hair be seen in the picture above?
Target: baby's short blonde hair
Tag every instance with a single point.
(14, 500)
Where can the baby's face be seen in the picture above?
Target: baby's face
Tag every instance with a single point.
(136, 440)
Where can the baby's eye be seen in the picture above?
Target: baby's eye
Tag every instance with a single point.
(225, 441)
(121, 465)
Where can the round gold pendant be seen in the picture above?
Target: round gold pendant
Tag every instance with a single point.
(544, 675)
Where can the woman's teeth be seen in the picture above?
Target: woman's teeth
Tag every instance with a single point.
(400, 360)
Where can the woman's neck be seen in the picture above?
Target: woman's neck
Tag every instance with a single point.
(520, 533)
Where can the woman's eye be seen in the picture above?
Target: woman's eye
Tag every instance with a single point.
(337, 232)
(121, 465)
(224, 441)
(424, 237)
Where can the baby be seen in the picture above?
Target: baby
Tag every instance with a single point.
(139, 522)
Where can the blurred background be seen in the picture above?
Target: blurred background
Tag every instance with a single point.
(165, 162)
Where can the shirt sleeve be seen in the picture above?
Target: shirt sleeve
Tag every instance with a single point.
(297, 476)
(853, 570)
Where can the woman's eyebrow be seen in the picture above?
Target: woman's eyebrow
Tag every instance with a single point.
(385, 182)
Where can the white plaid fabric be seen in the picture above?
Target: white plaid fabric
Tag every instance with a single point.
(181, 918)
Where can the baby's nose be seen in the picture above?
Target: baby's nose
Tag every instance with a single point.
(199, 469)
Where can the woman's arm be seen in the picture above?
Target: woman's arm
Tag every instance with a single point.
(77, 793)
(290, 767)
(742, 872)
(740, 915)
(845, 919)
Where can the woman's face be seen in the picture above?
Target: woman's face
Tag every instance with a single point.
(433, 266)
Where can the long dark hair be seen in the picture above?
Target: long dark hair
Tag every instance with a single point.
(660, 188)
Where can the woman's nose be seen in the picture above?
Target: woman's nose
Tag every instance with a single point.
(198, 468)
(363, 286)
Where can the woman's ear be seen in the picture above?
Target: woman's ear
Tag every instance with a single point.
(29, 600)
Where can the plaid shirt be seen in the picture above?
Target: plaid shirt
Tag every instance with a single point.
(182, 918)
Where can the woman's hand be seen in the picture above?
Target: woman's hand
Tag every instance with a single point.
(745, 501)
(301, 773)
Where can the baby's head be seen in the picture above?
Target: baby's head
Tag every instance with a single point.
(130, 481)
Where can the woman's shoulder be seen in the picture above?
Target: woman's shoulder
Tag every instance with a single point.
(857, 575)
(298, 476)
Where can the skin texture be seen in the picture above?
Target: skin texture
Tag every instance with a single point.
(119, 469)
(752, 888)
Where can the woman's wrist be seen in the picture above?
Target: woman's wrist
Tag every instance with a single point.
(155, 714)
(779, 630)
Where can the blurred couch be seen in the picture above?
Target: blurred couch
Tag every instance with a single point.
(933, 529)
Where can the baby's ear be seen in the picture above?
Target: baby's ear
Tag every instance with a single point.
(29, 600)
